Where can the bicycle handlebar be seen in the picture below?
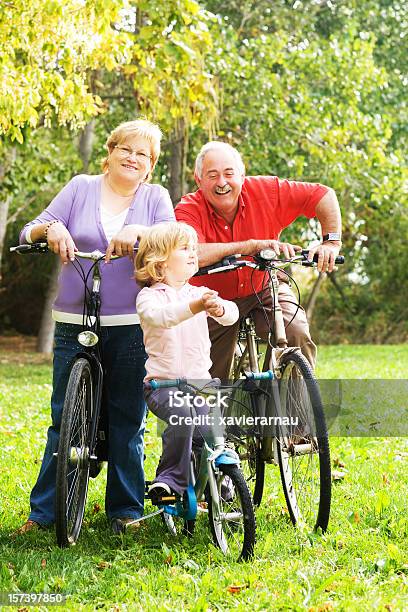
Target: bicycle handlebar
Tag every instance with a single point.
(165, 384)
(268, 375)
(232, 262)
(339, 259)
(36, 247)
(42, 247)
(226, 264)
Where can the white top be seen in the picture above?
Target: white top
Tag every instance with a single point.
(111, 223)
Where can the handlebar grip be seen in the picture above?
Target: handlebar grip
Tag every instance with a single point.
(339, 259)
(35, 247)
(165, 384)
(269, 375)
(227, 261)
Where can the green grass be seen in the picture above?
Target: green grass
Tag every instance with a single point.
(359, 564)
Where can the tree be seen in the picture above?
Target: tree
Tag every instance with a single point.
(47, 50)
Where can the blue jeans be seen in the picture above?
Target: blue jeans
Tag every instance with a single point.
(124, 357)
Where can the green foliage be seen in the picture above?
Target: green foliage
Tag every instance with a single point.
(306, 90)
(172, 42)
(313, 91)
(47, 52)
(50, 52)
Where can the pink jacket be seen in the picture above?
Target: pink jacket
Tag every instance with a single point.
(177, 341)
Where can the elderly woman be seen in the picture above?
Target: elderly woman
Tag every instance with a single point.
(107, 212)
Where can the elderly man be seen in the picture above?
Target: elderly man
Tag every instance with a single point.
(232, 213)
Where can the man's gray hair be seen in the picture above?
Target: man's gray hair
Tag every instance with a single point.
(215, 145)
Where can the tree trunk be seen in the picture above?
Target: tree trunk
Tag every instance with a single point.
(311, 302)
(178, 162)
(86, 144)
(4, 208)
(5, 202)
(46, 333)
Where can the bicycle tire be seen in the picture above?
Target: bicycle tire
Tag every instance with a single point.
(73, 454)
(306, 478)
(247, 442)
(238, 511)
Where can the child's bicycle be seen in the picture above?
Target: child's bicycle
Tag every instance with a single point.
(217, 487)
(287, 423)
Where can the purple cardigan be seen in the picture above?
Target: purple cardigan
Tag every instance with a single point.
(77, 206)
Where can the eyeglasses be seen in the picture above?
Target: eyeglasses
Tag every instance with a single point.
(127, 152)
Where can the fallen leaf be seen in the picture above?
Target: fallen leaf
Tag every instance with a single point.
(104, 565)
(43, 562)
(385, 479)
(168, 560)
(338, 463)
(354, 517)
(96, 509)
(236, 588)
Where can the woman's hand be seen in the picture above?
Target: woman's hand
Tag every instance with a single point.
(124, 242)
(60, 242)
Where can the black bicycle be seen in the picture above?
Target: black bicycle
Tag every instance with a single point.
(279, 420)
(83, 443)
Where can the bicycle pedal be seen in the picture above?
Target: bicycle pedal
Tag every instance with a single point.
(169, 499)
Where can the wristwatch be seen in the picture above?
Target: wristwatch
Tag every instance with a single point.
(332, 236)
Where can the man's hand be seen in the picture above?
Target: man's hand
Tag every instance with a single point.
(288, 250)
(124, 242)
(211, 304)
(60, 242)
(327, 252)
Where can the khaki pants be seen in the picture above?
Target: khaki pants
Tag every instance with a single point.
(223, 339)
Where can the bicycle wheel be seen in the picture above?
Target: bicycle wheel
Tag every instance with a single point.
(247, 438)
(303, 448)
(73, 455)
(232, 522)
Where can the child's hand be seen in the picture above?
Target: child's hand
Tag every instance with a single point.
(211, 304)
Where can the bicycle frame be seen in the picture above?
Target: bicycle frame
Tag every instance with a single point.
(266, 261)
(212, 456)
(88, 337)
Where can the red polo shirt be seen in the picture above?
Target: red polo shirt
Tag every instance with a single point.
(266, 206)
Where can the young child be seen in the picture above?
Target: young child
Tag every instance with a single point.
(173, 315)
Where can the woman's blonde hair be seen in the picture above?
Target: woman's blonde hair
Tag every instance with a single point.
(155, 248)
(129, 129)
